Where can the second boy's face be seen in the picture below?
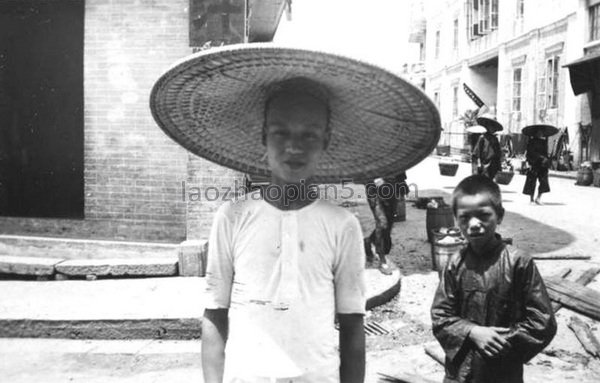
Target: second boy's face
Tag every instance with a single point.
(477, 219)
(296, 133)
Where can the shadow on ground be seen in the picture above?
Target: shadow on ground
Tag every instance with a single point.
(412, 253)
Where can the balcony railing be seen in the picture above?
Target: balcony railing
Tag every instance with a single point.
(483, 43)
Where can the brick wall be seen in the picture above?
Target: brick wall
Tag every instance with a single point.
(207, 187)
(133, 171)
(137, 180)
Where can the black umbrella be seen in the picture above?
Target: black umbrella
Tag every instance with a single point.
(547, 130)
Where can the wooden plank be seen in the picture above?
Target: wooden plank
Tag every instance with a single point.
(435, 351)
(403, 378)
(585, 336)
(561, 274)
(588, 276)
(572, 295)
(583, 280)
(561, 256)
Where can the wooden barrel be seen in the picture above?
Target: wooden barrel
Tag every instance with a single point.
(438, 218)
(585, 177)
(442, 248)
(597, 178)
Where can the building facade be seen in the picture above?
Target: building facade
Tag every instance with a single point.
(512, 54)
(80, 154)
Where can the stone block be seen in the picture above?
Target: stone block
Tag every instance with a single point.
(119, 267)
(28, 265)
(192, 258)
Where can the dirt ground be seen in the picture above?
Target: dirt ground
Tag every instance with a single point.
(401, 352)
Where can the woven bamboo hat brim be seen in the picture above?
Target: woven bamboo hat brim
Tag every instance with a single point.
(212, 103)
(547, 130)
(490, 123)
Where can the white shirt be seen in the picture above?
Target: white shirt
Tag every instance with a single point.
(283, 275)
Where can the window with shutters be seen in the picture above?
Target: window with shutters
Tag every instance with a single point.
(437, 44)
(455, 101)
(455, 35)
(516, 89)
(595, 22)
(520, 9)
(548, 83)
(482, 17)
(422, 51)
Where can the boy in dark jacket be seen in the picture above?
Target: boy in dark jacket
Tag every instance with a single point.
(491, 312)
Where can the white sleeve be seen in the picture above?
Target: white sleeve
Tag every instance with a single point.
(219, 268)
(349, 270)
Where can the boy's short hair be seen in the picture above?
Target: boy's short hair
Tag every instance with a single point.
(476, 184)
(298, 85)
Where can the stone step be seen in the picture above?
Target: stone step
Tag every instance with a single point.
(67, 248)
(143, 308)
(137, 308)
(35, 266)
(118, 267)
(62, 269)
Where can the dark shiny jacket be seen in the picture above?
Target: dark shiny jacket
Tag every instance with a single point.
(503, 289)
(487, 149)
(537, 152)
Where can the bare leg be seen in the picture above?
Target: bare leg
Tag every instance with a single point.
(384, 266)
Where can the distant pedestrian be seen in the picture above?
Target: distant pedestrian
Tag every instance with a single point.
(491, 312)
(383, 195)
(538, 161)
(487, 152)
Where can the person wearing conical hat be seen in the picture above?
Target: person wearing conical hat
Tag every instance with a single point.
(538, 161)
(282, 262)
(487, 152)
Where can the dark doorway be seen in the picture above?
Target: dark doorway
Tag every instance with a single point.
(41, 108)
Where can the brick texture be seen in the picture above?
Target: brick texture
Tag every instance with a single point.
(136, 179)
(132, 169)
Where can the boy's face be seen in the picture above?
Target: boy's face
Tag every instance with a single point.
(477, 218)
(296, 135)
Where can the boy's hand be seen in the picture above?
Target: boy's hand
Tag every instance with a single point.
(490, 341)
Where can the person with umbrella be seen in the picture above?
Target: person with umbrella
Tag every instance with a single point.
(537, 158)
(474, 132)
(487, 152)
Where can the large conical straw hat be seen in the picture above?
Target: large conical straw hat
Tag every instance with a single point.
(489, 122)
(213, 104)
(547, 130)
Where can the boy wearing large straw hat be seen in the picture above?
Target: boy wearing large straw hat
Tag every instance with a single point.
(283, 263)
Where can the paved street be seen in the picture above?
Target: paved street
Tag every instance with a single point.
(566, 224)
(99, 361)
